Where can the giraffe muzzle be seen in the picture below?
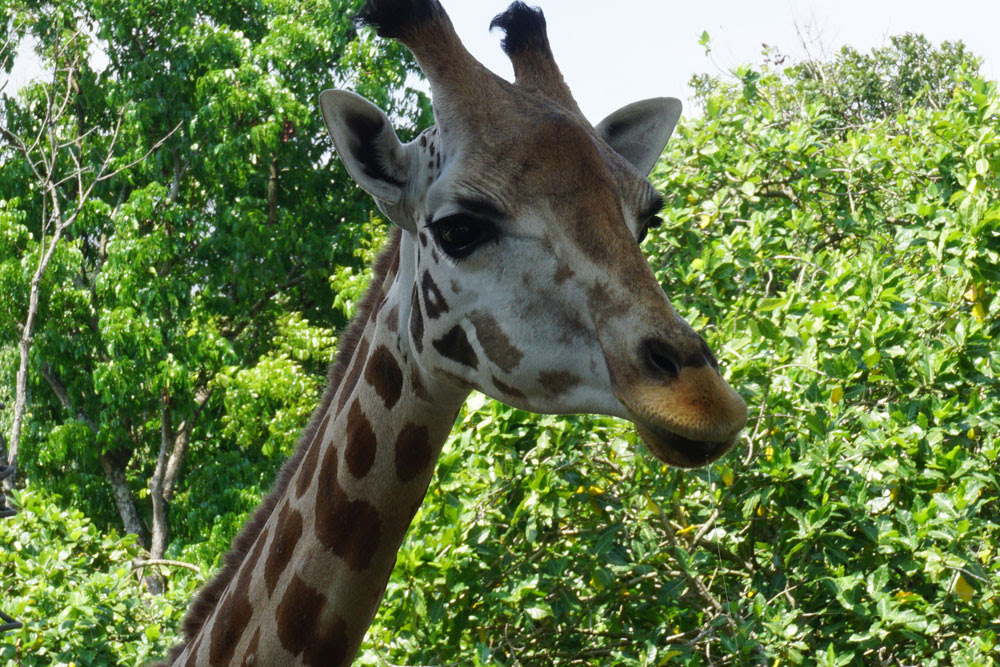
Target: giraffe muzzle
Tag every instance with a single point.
(688, 417)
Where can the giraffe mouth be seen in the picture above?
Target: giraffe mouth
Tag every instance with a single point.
(677, 450)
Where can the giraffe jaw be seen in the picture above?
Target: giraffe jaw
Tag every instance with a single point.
(688, 421)
(676, 450)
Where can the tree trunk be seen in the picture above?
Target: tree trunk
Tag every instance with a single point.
(173, 450)
(114, 469)
(113, 463)
(21, 383)
(161, 526)
(272, 192)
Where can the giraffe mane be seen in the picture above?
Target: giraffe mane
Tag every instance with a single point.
(210, 593)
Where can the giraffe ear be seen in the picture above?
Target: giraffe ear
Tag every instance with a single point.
(367, 145)
(639, 131)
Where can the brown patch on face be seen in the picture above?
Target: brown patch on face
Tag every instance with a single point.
(507, 389)
(434, 303)
(352, 378)
(251, 655)
(573, 327)
(455, 345)
(494, 341)
(286, 536)
(602, 304)
(413, 452)
(455, 287)
(312, 458)
(298, 613)
(349, 528)
(392, 318)
(416, 323)
(563, 273)
(361, 444)
(558, 382)
(382, 372)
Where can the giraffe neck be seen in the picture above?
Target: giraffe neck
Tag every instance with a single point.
(313, 578)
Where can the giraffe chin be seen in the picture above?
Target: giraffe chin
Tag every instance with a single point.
(678, 451)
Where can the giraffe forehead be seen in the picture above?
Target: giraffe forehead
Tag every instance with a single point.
(560, 168)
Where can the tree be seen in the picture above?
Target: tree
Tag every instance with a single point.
(65, 163)
(182, 284)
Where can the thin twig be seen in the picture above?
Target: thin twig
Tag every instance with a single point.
(169, 563)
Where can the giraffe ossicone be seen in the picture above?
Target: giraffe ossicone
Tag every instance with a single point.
(515, 270)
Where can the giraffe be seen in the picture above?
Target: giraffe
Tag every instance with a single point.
(513, 269)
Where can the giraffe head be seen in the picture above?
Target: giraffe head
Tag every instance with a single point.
(522, 224)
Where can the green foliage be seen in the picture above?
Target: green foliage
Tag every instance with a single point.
(72, 585)
(836, 238)
(197, 290)
(862, 87)
(847, 278)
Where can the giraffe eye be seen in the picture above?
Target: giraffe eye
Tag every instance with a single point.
(459, 235)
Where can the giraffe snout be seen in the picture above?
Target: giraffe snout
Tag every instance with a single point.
(686, 413)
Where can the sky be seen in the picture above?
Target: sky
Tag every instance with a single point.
(614, 53)
(649, 48)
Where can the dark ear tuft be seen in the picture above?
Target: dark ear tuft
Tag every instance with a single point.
(524, 29)
(395, 18)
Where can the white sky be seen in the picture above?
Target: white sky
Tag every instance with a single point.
(614, 53)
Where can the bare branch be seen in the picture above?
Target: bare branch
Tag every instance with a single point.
(104, 177)
(169, 563)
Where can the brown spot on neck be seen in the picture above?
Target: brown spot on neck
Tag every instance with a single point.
(392, 318)
(303, 626)
(361, 443)
(250, 659)
(311, 459)
(286, 536)
(234, 612)
(351, 380)
(383, 373)
(349, 528)
(413, 452)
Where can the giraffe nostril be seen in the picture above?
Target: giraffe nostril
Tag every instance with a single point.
(660, 358)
